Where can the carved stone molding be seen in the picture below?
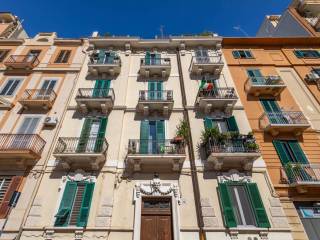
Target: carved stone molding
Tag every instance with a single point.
(235, 176)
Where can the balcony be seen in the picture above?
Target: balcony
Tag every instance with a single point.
(38, 98)
(238, 153)
(155, 101)
(270, 85)
(155, 155)
(95, 99)
(155, 66)
(74, 152)
(283, 121)
(27, 62)
(211, 65)
(312, 7)
(299, 175)
(110, 66)
(24, 149)
(218, 98)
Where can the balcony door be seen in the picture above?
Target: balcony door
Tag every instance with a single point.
(156, 219)
(101, 88)
(32, 54)
(155, 90)
(152, 137)
(109, 57)
(255, 76)
(202, 56)
(273, 111)
(92, 135)
(152, 58)
(23, 138)
(46, 89)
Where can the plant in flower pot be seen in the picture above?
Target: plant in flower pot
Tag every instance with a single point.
(250, 135)
(182, 133)
(251, 146)
(209, 134)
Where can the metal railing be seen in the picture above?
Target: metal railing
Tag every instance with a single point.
(30, 60)
(283, 118)
(166, 146)
(218, 93)
(106, 60)
(73, 145)
(165, 95)
(267, 80)
(295, 173)
(207, 60)
(155, 61)
(241, 144)
(89, 93)
(38, 95)
(21, 142)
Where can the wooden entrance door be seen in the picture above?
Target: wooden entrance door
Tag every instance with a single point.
(156, 219)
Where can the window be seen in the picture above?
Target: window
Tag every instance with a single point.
(289, 151)
(10, 86)
(152, 137)
(75, 204)
(29, 125)
(9, 187)
(152, 58)
(244, 54)
(223, 124)
(34, 53)
(316, 71)
(3, 54)
(309, 213)
(242, 205)
(307, 53)
(63, 56)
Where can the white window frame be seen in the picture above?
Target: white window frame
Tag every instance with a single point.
(16, 89)
(49, 78)
(30, 116)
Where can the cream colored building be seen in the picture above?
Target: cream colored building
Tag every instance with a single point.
(37, 76)
(118, 170)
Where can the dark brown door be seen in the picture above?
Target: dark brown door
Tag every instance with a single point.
(156, 222)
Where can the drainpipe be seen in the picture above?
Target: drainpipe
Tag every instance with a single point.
(56, 135)
(194, 175)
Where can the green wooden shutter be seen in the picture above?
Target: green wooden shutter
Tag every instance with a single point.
(101, 88)
(159, 90)
(97, 88)
(257, 204)
(147, 58)
(101, 56)
(248, 54)
(226, 204)
(282, 153)
(236, 54)
(84, 137)
(160, 136)
(297, 152)
(101, 135)
(255, 75)
(85, 205)
(298, 53)
(63, 215)
(144, 136)
(207, 123)
(151, 90)
(232, 124)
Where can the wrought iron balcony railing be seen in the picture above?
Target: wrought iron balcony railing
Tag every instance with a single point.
(165, 95)
(207, 60)
(21, 142)
(241, 144)
(283, 118)
(38, 95)
(266, 81)
(155, 61)
(106, 61)
(295, 173)
(92, 93)
(76, 145)
(218, 93)
(155, 147)
(27, 60)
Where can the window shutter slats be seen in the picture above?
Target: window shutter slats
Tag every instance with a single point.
(147, 58)
(144, 136)
(257, 204)
(207, 123)
(160, 130)
(232, 124)
(84, 136)
(298, 153)
(228, 214)
(14, 186)
(282, 153)
(101, 135)
(63, 215)
(85, 205)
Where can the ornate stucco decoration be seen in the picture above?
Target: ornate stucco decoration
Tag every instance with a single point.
(235, 176)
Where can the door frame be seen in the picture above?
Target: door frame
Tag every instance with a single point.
(159, 189)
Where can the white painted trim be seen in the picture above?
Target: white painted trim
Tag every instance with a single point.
(18, 86)
(58, 79)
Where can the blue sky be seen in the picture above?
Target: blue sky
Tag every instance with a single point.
(79, 18)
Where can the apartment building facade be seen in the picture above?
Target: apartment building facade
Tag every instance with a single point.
(11, 27)
(300, 19)
(276, 83)
(37, 76)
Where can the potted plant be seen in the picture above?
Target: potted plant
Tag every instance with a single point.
(182, 133)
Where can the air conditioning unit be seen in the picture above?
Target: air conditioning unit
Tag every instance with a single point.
(312, 77)
(50, 121)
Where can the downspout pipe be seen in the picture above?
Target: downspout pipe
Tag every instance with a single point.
(194, 176)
